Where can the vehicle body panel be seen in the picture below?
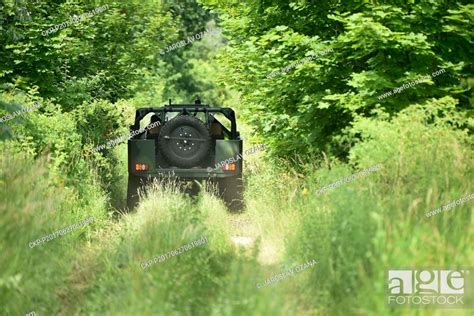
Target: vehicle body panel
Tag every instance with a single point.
(144, 151)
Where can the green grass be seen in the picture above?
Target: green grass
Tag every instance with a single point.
(355, 232)
(30, 209)
(208, 279)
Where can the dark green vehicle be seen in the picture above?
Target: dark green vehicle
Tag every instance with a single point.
(186, 142)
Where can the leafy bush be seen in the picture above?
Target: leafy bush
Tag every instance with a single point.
(66, 137)
(376, 47)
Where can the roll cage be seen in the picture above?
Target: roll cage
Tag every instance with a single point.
(190, 109)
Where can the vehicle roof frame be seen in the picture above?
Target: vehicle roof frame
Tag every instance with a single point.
(187, 109)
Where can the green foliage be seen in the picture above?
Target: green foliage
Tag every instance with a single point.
(90, 76)
(376, 47)
(32, 208)
(66, 137)
(378, 222)
(104, 56)
(208, 279)
(186, 281)
(192, 16)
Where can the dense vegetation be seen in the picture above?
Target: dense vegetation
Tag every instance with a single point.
(376, 47)
(322, 118)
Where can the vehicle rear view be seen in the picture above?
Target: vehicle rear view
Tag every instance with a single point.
(187, 142)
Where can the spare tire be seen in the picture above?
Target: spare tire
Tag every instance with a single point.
(185, 141)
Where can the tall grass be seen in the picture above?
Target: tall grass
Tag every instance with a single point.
(355, 232)
(211, 279)
(375, 223)
(30, 208)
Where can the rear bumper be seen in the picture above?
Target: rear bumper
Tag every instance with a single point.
(142, 151)
(193, 173)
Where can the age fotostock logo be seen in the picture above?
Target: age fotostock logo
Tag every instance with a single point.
(430, 288)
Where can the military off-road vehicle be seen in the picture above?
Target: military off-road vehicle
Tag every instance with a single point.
(186, 142)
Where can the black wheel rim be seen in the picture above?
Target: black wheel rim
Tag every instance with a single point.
(183, 141)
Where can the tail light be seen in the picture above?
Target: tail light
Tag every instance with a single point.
(228, 167)
(141, 166)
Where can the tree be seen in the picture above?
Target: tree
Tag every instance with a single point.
(375, 48)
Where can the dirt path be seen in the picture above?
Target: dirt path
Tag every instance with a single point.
(247, 234)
